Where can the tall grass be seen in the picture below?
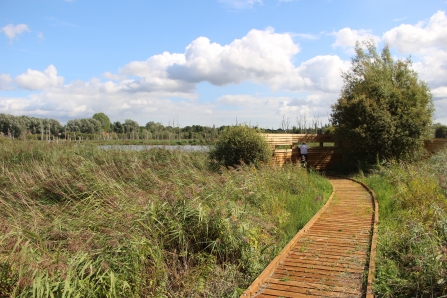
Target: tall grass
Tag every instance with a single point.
(412, 242)
(76, 221)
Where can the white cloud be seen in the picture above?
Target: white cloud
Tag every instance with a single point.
(36, 80)
(321, 74)
(164, 85)
(5, 82)
(40, 36)
(433, 67)
(111, 76)
(415, 38)
(440, 92)
(12, 31)
(240, 4)
(346, 38)
(258, 57)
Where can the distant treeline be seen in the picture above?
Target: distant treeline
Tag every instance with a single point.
(25, 127)
(99, 127)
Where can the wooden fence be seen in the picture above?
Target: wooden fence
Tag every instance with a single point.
(322, 153)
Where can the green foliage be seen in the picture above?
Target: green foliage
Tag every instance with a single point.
(85, 125)
(411, 252)
(104, 119)
(384, 111)
(240, 144)
(329, 130)
(154, 223)
(440, 130)
(18, 126)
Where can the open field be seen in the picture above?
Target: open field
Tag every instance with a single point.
(75, 220)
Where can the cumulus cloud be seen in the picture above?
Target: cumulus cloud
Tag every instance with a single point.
(111, 76)
(416, 38)
(36, 80)
(262, 57)
(433, 68)
(259, 56)
(164, 85)
(321, 74)
(12, 31)
(260, 109)
(346, 38)
(152, 75)
(5, 82)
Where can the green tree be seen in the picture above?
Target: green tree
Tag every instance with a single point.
(105, 121)
(238, 144)
(384, 110)
(440, 130)
(85, 125)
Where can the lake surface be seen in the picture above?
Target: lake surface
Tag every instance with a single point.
(148, 147)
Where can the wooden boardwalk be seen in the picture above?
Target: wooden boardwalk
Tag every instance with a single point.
(330, 256)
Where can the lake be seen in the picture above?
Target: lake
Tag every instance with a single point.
(148, 147)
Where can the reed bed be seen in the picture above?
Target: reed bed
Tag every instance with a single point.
(412, 239)
(77, 221)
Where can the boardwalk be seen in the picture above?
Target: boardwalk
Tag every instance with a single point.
(330, 258)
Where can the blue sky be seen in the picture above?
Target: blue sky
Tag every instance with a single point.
(204, 62)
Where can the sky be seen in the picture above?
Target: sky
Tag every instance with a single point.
(208, 62)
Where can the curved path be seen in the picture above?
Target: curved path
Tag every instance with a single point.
(330, 255)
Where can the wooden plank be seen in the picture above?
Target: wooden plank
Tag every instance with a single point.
(254, 287)
(334, 252)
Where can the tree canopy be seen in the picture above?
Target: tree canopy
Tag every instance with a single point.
(104, 119)
(384, 110)
(84, 125)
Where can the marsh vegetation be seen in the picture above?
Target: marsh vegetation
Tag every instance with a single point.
(412, 239)
(79, 221)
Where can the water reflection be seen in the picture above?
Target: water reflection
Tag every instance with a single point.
(148, 147)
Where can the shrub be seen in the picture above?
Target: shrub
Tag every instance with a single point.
(240, 144)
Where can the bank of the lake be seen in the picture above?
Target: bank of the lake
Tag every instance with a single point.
(80, 220)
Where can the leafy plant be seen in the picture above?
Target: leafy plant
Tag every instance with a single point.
(240, 145)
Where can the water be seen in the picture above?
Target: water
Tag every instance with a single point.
(148, 147)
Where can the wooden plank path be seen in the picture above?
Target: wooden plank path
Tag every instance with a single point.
(330, 256)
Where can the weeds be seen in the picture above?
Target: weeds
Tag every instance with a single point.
(76, 221)
(412, 243)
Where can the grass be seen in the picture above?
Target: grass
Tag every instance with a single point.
(76, 221)
(412, 239)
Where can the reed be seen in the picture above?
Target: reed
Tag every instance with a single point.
(411, 252)
(77, 221)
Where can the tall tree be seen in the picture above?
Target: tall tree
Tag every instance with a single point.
(384, 110)
(105, 121)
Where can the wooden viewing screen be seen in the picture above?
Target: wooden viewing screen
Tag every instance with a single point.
(322, 153)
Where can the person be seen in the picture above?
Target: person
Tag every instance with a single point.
(303, 151)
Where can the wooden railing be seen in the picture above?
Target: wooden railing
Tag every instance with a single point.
(322, 153)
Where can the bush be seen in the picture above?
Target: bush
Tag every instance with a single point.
(240, 144)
